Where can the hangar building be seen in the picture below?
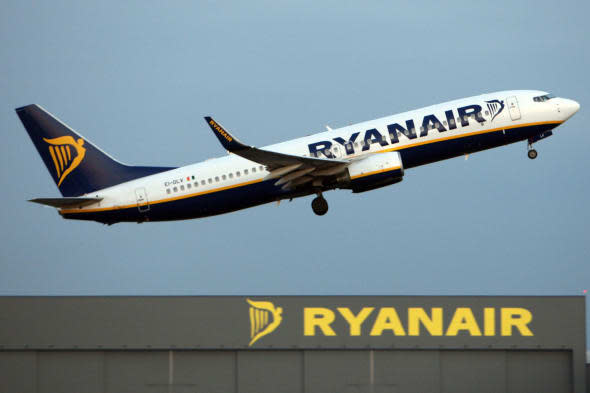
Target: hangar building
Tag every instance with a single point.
(311, 344)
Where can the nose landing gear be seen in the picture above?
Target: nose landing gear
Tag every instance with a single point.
(319, 205)
(532, 153)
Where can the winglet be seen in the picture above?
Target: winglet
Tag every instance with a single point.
(229, 142)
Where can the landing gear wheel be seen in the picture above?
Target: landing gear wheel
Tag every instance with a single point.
(532, 154)
(319, 206)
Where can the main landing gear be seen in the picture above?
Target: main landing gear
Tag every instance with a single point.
(319, 205)
(532, 153)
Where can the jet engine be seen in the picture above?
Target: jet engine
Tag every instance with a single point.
(376, 171)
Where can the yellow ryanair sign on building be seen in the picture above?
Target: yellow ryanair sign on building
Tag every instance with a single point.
(63, 157)
(383, 322)
(264, 319)
(504, 321)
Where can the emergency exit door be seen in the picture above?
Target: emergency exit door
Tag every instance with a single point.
(142, 200)
(513, 108)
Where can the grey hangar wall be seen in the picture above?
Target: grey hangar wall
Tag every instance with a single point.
(292, 344)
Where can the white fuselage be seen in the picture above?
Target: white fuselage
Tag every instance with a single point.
(374, 136)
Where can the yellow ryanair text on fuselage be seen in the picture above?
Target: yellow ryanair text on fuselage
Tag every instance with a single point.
(437, 321)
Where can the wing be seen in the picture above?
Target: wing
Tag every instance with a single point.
(292, 170)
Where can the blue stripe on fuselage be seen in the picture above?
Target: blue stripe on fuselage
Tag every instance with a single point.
(197, 206)
(432, 152)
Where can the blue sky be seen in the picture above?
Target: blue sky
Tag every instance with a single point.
(136, 78)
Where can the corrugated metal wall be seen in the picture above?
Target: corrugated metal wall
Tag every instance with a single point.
(311, 371)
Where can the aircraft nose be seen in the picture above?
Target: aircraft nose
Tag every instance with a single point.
(569, 107)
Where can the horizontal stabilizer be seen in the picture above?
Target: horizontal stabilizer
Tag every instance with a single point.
(66, 202)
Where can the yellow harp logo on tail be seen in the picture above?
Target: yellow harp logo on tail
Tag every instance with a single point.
(260, 319)
(62, 151)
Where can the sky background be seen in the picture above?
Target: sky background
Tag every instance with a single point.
(136, 78)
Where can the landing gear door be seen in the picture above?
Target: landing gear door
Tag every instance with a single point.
(142, 201)
(513, 108)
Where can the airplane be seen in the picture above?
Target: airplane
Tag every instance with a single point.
(359, 157)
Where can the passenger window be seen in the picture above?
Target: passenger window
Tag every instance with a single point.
(452, 122)
(437, 125)
(231, 175)
(202, 182)
(175, 189)
(261, 168)
(181, 188)
(167, 191)
(209, 180)
(445, 123)
(188, 186)
(216, 178)
(421, 128)
(196, 184)
(254, 170)
(224, 177)
(487, 113)
(245, 171)
(238, 174)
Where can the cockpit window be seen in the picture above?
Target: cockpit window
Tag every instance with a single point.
(546, 97)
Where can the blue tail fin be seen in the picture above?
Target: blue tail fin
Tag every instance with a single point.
(77, 166)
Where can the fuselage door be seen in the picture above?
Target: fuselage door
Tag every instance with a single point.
(142, 200)
(513, 108)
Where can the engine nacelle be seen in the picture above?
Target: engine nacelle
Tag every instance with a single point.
(375, 171)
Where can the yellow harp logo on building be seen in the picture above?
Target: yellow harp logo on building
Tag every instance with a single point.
(64, 159)
(261, 324)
